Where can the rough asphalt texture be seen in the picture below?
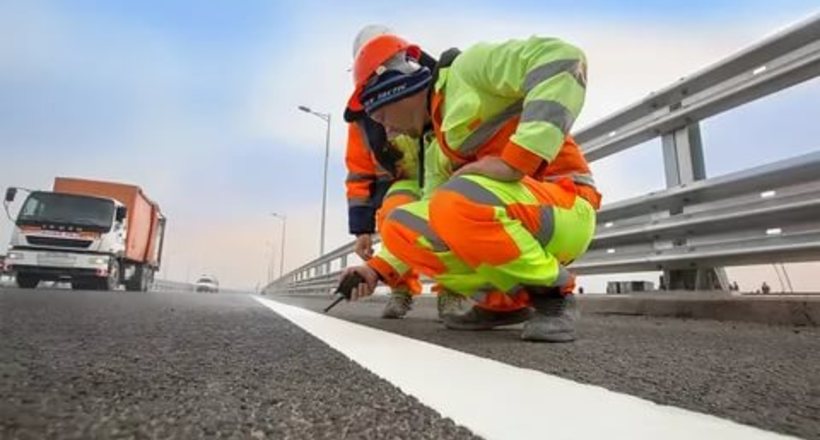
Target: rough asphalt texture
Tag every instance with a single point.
(759, 375)
(162, 365)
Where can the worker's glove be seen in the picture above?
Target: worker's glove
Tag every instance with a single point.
(364, 246)
(370, 279)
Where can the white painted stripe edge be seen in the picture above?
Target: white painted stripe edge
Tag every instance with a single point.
(504, 401)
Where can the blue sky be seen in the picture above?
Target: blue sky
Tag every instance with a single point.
(195, 101)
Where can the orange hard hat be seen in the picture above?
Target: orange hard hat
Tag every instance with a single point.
(373, 54)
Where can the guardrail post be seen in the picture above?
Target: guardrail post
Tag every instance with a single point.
(683, 163)
(683, 156)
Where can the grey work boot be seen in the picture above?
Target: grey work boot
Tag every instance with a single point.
(482, 319)
(554, 319)
(450, 303)
(399, 304)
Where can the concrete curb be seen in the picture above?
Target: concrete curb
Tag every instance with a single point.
(791, 310)
(780, 310)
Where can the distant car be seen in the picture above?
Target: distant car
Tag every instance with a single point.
(207, 284)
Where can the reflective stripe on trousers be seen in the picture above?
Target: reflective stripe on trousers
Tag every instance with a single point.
(476, 232)
(401, 193)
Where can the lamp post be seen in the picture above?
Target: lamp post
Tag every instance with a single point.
(284, 220)
(269, 247)
(325, 117)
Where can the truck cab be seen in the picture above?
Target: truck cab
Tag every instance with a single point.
(66, 237)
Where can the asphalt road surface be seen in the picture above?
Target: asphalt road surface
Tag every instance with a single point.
(759, 375)
(184, 365)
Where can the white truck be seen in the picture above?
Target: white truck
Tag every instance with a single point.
(95, 235)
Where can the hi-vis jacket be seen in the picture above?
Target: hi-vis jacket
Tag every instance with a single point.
(374, 163)
(517, 100)
(474, 235)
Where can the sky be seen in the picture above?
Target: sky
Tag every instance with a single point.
(196, 102)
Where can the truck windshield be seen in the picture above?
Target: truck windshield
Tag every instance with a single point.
(89, 213)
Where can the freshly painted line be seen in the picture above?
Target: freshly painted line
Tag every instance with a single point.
(500, 401)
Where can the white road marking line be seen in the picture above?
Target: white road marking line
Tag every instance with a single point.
(500, 401)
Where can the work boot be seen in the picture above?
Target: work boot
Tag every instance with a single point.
(450, 303)
(554, 319)
(478, 318)
(399, 304)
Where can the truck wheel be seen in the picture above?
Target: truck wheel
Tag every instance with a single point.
(141, 280)
(149, 280)
(112, 281)
(26, 281)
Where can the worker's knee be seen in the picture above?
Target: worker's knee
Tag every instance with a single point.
(401, 194)
(402, 234)
(451, 216)
(390, 204)
(464, 215)
(403, 226)
(458, 207)
(392, 231)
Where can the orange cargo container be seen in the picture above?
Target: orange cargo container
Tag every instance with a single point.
(145, 221)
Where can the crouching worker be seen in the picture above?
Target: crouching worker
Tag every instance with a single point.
(383, 174)
(509, 200)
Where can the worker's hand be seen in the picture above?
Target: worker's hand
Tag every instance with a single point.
(492, 167)
(367, 288)
(364, 246)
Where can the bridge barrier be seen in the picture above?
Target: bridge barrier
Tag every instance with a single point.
(765, 214)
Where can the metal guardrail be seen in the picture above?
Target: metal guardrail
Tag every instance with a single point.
(785, 59)
(176, 286)
(764, 214)
(741, 218)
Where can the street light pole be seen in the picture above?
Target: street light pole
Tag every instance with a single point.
(271, 260)
(325, 117)
(284, 219)
(324, 188)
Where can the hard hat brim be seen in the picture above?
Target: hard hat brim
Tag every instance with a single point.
(354, 102)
